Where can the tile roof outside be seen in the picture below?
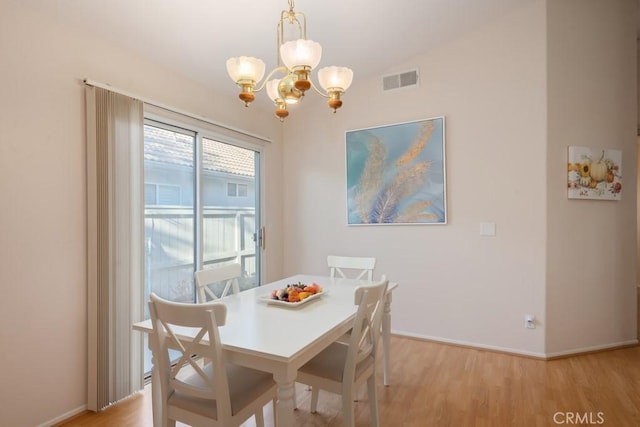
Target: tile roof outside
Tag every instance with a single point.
(173, 148)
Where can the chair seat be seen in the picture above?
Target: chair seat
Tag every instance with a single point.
(329, 364)
(245, 386)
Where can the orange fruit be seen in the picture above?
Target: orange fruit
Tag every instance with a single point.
(294, 297)
(303, 295)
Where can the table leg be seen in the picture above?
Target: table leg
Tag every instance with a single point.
(285, 400)
(386, 338)
(156, 405)
(156, 393)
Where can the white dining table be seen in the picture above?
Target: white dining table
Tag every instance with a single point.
(280, 339)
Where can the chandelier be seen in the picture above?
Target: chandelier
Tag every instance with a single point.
(295, 60)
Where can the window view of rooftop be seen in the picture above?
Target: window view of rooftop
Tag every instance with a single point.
(173, 208)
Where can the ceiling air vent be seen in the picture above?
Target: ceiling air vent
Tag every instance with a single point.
(401, 80)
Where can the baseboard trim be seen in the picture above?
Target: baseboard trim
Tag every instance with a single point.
(518, 352)
(64, 417)
(592, 349)
(473, 345)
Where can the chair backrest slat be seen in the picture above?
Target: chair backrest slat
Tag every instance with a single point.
(338, 264)
(227, 274)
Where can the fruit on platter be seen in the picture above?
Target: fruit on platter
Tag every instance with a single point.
(296, 292)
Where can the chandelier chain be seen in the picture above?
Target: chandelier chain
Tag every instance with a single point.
(292, 17)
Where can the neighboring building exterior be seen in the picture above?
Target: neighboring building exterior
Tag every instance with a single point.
(228, 204)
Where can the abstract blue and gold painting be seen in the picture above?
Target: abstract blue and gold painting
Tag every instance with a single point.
(396, 174)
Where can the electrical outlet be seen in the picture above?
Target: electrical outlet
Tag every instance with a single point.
(530, 321)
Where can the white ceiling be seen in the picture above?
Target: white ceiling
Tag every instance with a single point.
(195, 37)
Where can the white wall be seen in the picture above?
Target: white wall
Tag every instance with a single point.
(591, 251)
(42, 186)
(511, 111)
(455, 285)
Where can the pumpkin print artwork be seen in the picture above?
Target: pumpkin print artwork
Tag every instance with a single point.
(594, 173)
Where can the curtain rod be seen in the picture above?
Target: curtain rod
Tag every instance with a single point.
(174, 110)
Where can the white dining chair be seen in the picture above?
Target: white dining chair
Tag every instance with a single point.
(341, 368)
(348, 266)
(217, 393)
(226, 275)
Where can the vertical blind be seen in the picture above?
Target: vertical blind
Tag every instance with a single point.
(115, 256)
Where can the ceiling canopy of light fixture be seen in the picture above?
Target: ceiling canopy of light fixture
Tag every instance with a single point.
(296, 60)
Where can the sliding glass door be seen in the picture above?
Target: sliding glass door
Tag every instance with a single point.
(202, 210)
(230, 214)
(170, 212)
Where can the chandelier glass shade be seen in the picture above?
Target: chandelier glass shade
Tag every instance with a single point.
(296, 59)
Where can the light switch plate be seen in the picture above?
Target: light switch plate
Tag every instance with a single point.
(487, 228)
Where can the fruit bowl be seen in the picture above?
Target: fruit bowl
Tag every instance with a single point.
(294, 294)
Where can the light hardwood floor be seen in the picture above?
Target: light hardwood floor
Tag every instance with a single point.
(441, 385)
